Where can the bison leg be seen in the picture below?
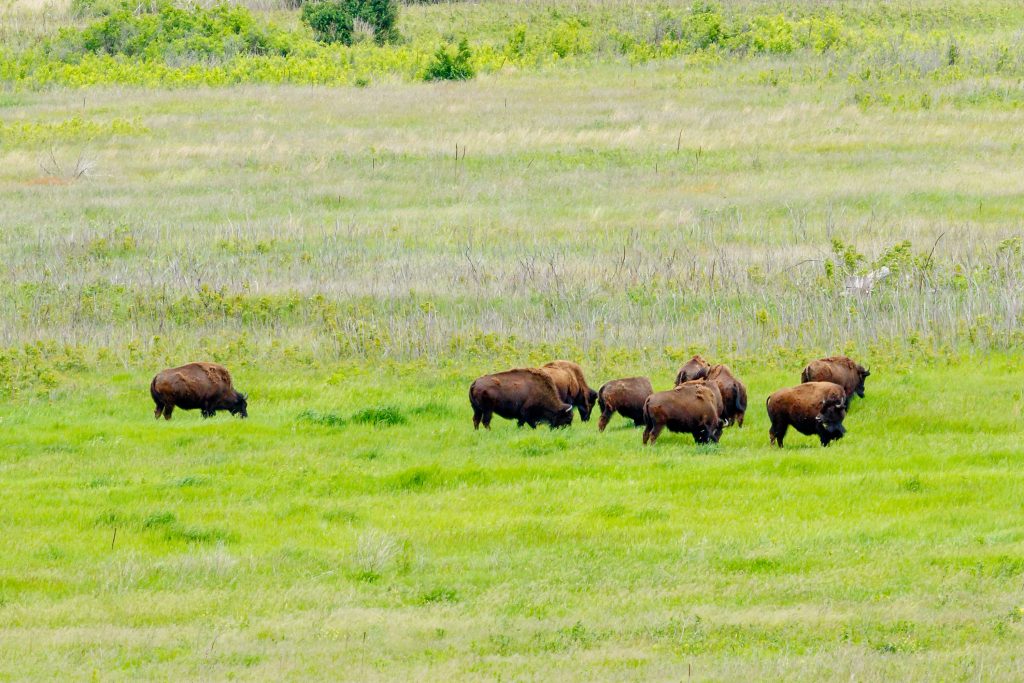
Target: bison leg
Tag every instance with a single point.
(603, 421)
(777, 433)
(159, 410)
(487, 420)
(168, 409)
(656, 432)
(477, 414)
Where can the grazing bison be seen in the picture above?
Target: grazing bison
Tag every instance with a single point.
(572, 387)
(734, 393)
(526, 395)
(812, 408)
(839, 370)
(625, 397)
(695, 368)
(692, 407)
(206, 386)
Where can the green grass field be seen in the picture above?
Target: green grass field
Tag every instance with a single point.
(609, 189)
(306, 543)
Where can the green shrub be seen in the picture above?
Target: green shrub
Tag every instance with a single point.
(222, 31)
(772, 34)
(569, 38)
(339, 21)
(448, 67)
(705, 26)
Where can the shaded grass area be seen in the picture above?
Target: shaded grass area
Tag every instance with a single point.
(395, 547)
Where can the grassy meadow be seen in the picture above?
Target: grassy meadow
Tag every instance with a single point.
(620, 185)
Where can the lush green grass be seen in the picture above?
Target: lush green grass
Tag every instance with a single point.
(303, 541)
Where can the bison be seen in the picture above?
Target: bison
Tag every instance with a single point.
(572, 387)
(625, 397)
(526, 395)
(734, 393)
(695, 368)
(840, 370)
(691, 407)
(812, 408)
(206, 386)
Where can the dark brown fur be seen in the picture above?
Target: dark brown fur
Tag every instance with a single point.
(840, 370)
(692, 407)
(695, 368)
(525, 395)
(572, 386)
(734, 393)
(206, 386)
(625, 397)
(812, 408)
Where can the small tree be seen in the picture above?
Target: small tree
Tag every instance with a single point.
(334, 21)
(448, 67)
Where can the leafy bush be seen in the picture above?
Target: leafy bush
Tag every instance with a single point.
(448, 67)
(772, 34)
(222, 31)
(705, 26)
(340, 21)
(570, 38)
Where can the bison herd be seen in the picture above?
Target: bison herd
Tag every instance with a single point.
(705, 400)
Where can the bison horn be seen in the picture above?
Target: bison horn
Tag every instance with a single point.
(568, 410)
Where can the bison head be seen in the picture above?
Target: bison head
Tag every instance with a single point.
(563, 417)
(862, 374)
(239, 407)
(588, 405)
(830, 417)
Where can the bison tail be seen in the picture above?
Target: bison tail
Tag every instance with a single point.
(805, 376)
(648, 420)
(152, 391)
(741, 400)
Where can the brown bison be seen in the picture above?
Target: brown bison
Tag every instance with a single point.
(812, 408)
(206, 386)
(572, 387)
(695, 368)
(625, 397)
(839, 370)
(691, 407)
(734, 393)
(526, 395)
